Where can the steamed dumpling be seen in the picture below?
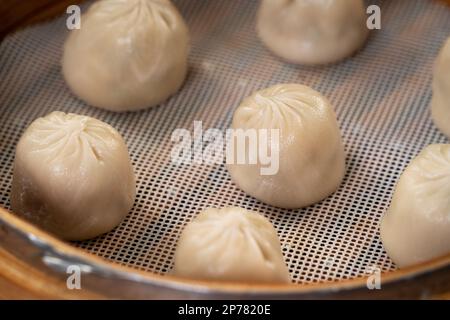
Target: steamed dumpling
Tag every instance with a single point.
(440, 104)
(127, 55)
(230, 244)
(72, 176)
(311, 153)
(312, 32)
(416, 227)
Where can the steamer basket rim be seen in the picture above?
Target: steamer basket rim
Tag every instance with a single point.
(48, 245)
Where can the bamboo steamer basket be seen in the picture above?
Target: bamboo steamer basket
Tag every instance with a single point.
(33, 263)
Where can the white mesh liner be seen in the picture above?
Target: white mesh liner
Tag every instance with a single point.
(381, 96)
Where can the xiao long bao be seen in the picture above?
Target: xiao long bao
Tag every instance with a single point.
(230, 244)
(72, 176)
(312, 32)
(310, 151)
(416, 227)
(127, 55)
(440, 104)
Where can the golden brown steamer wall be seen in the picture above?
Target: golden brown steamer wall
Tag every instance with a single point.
(25, 250)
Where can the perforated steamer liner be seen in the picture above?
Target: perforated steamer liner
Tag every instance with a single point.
(381, 96)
